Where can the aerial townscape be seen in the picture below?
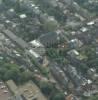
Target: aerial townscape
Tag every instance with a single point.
(48, 49)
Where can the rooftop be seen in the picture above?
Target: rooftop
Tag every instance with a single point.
(16, 39)
(12, 86)
(49, 38)
(30, 91)
(36, 43)
(22, 16)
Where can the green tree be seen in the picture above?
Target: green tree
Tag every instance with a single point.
(14, 72)
(46, 88)
(25, 76)
(59, 96)
(50, 25)
(93, 98)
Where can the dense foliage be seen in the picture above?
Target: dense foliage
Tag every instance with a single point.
(13, 71)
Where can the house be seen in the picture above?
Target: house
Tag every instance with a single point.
(37, 47)
(76, 56)
(84, 29)
(75, 76)
(92, 74)
(75, 43)
(90, 23)
(84, 35)
(59, 75)
(32, 53)
(83, 12)
(73, 53)
(22, 16)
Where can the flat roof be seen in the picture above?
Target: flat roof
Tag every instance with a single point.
(30, 91)
(33, 53)
(36, 43)
(12, 86)
(15, 39)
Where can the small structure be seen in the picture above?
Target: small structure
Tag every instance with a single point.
(37, 47)
(22, 16)
(75, 43)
